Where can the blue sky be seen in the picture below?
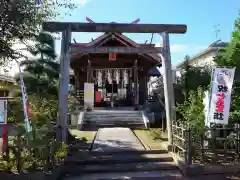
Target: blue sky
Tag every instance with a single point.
(200, 16)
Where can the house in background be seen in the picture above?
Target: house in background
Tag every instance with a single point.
(204, 58)
(6, 80)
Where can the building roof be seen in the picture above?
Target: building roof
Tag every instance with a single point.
(6, 78)
(214, 47)
(118, 36)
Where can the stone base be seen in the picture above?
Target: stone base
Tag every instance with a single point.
(169, 147)
(136, 107)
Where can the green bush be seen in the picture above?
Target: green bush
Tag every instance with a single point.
(192, 110)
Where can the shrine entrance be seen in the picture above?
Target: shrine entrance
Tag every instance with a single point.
(141, 57)
(113, 87)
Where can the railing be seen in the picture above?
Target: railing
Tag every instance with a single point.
(215, 145)
(27, 154)
(181, 134)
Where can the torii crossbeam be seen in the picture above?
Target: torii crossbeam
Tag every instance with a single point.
(67, 27)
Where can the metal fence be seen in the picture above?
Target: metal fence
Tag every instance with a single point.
(217, 144)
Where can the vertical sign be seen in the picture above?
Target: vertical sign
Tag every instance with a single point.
(3, 123)
(89, 95)
(222, 81)
(112, 56)
(3, 112)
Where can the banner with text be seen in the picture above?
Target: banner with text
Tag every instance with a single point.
(220, 99)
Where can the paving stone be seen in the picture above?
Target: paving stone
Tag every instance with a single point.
(116, 139)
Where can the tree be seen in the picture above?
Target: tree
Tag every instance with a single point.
(230, 57)
(192, 110)
(40, 76)
(22, 19)
(191, 78)
(43, 69)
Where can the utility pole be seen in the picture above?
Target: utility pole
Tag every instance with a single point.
(168, 86)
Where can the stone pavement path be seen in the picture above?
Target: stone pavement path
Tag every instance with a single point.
(116, 139)
(118, 144)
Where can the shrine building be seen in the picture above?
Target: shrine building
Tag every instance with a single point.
(120, 79)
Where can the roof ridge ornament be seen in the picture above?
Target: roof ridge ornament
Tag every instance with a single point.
(91, 21)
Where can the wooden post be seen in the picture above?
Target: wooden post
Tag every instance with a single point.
(168, 85)
(64, 81)
(136, 101)
(146, 90)
(77, 90)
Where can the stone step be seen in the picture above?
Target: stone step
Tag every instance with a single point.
(129, 152)
(117, 159)
(107, 111)
(113, 120)
(147, 175)
(113, 115)
(109, 117)
(90, 126)
(129, 167)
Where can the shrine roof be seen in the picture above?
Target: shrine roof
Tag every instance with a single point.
(119, 37)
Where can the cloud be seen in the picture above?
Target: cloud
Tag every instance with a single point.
(80, 3)
(184, 48)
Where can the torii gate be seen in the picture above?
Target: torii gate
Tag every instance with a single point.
(67, 28)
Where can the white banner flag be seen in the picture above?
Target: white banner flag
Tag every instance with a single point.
(222, 81)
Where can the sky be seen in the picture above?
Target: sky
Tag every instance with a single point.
(202, 17)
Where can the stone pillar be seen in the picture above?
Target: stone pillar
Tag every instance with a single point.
(64, 82)
(168, 85)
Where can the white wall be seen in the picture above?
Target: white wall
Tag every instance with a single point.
(205, 60)
(202, 61)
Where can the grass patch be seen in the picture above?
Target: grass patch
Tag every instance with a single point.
(87, 135)
(153, 138)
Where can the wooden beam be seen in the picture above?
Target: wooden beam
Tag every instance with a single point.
(114, 27)
(137, 50)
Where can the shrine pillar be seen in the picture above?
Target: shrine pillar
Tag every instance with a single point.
(77, 90)
(136, 89)
(142, 88)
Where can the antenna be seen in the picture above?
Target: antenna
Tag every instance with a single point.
(217, 31)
